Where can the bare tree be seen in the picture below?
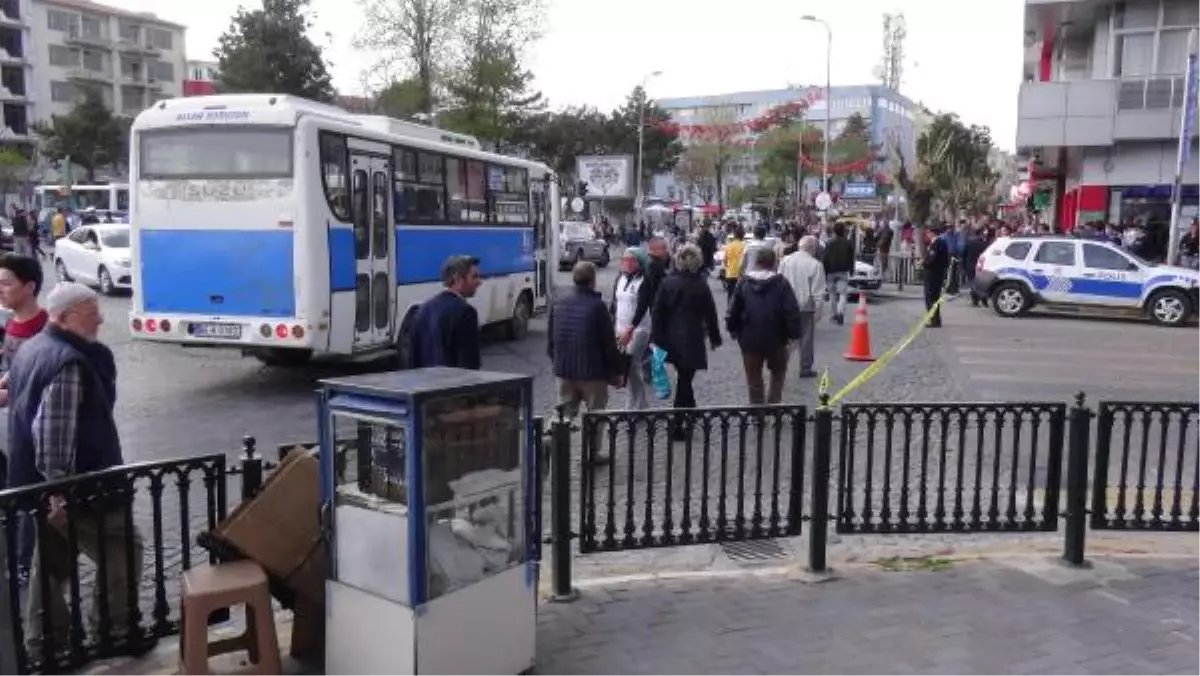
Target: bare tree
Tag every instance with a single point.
(415, 37)
(714, 143)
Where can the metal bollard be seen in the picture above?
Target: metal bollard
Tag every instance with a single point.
(1077, 480)
(822, 456)
(560, 512)
(252, 468)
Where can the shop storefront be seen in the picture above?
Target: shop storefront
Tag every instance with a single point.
(1125, 205)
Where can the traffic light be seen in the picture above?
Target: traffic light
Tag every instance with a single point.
(583, 188)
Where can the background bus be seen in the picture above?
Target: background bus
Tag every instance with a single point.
(288, 228)
(110, 197)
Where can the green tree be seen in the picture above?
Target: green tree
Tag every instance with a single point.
(14, 170)
(404, 99)
(268, 50)
(661, 147)
(778, 151)
(489, 91)
(950, 170)
(89, 136)
(416, 37)
(558, 139)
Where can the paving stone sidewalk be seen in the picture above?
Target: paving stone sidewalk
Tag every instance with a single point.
(1022, 615)
(1025, 616)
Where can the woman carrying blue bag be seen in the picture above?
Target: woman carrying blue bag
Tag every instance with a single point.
(684, 312)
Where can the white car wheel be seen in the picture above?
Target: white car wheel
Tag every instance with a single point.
(1169, 308)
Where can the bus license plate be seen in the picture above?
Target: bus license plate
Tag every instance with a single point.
(211, 330)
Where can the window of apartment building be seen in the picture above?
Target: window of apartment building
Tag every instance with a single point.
(105, 93)
(130, 31)
(1150, 38)
(131, 100)
(62, 92)
(164, 71)
(94, 27)
(60, 21)
(160, 38)
(97, 62)
(131, 68)
(64, 57)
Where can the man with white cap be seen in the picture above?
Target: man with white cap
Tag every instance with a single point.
(62, 385)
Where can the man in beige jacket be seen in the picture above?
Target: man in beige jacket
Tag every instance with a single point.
(806, 274)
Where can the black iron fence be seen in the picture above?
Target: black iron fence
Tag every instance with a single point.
(740, 473)
(926, 468)
(661, 478)
(106, 553)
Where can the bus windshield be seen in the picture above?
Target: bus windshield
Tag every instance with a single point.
(247, 152)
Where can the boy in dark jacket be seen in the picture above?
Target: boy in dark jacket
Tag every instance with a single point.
(764, 318)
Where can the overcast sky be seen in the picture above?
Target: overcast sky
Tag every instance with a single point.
(962, 55)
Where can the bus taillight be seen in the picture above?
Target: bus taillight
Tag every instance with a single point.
(137, 325)
(265, 330)
(297, 332)
(165, 325)
(281, 331)
(151, 326)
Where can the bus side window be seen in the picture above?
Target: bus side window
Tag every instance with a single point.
(362, 216)
(333, 175)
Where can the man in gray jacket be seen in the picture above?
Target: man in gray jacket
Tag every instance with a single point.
(806, 274)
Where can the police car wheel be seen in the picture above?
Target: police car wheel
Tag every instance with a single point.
(1010, 300)
(1170, 308)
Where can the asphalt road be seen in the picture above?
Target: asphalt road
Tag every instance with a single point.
(176, 401)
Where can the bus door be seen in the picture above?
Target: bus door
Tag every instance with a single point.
(540, 189)
(374, 283)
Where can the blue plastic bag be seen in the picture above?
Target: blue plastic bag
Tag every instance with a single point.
(658, 372)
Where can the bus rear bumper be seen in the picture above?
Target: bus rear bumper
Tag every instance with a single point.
(233, 332)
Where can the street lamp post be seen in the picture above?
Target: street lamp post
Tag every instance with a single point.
(828, 96)
(642, 134)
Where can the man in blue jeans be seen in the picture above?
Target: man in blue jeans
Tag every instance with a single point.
(839, 266)
(20, 283)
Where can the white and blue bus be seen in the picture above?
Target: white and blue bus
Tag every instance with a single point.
(288, 228)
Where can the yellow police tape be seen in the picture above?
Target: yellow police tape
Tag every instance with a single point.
(886, 358)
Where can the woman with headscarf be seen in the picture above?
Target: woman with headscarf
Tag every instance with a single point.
(683, 312)
(633, 339)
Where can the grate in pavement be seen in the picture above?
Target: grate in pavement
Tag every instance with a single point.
(753, 551)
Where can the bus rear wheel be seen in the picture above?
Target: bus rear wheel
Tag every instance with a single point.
(517, 328)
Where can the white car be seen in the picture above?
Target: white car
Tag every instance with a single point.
(97, 255)
(1077, 275)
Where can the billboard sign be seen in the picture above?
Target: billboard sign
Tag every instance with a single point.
(859, 190)
(607, 176)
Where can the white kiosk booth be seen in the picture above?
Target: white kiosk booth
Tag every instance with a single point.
(427, 484)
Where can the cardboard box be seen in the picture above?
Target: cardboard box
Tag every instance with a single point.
(280, 528)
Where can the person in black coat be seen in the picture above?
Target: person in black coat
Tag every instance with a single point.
(684, 312)
(446, 329)
(976, 244)
(764, 318)
(937, 266)
(582, 345)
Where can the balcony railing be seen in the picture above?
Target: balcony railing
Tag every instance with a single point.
(1154, 93)
(76, 36)
(90, 75)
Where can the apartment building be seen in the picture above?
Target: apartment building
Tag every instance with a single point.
(888, 113)
(132, 59)
(1100, 108)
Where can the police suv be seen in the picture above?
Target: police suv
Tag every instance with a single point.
(1081, 275)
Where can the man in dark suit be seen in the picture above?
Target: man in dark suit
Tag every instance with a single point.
(446, 330)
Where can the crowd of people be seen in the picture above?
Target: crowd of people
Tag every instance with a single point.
(29, 233)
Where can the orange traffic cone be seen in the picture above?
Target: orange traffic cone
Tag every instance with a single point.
(860, 334)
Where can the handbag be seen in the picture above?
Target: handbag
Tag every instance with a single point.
(658, 372)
